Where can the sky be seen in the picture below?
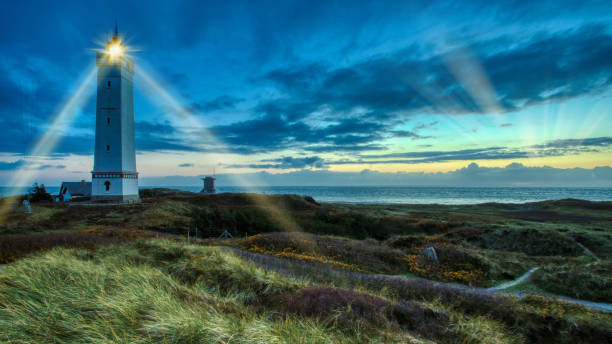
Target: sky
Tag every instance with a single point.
(318, 91)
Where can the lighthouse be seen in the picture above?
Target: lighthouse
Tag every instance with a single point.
(114, 175)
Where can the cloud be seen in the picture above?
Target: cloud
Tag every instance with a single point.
(362, 98)
(388, 87)
(256, 134)
(286, 163)
(218, 103)
(505, 125)
(425, 125)
(29, 97)
(574, 63)
(488, 153)
(472, 175)
(273, 132)
(407, 133)
(9, 166)
(28, 165)
(573, 143)
(151, 137)
(547, 149)
(47, 166)
(186, 165)
(348, 148)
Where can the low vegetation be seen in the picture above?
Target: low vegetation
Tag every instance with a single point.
(357, 255)
(13, 247)
(584, 281)
(154, 290)
(302, 271)
(164, 292)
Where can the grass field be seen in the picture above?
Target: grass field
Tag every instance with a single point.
(306, 273)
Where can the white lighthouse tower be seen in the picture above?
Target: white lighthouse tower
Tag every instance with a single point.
(114, 175)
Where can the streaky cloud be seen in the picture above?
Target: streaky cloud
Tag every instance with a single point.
(514, 174)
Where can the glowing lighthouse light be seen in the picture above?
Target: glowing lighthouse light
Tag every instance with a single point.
(116, 49)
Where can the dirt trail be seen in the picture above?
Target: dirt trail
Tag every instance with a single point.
(601, 306)
(296, 269)
(519, 280)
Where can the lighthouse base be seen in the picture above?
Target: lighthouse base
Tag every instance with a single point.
(116, 187)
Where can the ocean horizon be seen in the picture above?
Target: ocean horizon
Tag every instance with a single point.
(400, 194)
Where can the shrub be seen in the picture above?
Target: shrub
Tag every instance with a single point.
(431, 226)
(366, 256)
(40, 194)
(347, 307)
(455, 264)
(590, 282)
(213, 220)
(13, 247)
(283, 202)
(533, 241)
(545, 321)
(410, 242)
(309, 199)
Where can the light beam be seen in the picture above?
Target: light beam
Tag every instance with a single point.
(47, 143)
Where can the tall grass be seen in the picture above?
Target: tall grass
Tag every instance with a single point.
(164, 292)
(16, 246)
(157, 291)
(13, 247)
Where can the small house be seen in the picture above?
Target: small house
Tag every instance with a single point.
(74, 190)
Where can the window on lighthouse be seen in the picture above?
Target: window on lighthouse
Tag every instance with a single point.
(108, 120)
(108, 83)
(107, 148)
(107, 185)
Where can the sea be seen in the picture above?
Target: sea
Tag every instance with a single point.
(404, 194)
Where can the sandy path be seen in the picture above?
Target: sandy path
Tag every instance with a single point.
(298, 269)
(519, 280)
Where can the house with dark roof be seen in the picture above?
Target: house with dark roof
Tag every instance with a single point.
(74, 190)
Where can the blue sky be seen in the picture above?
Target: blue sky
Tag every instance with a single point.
(334, 86)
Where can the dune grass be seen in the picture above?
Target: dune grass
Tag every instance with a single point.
(315, 282)
(159, 291)
(16, 246)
